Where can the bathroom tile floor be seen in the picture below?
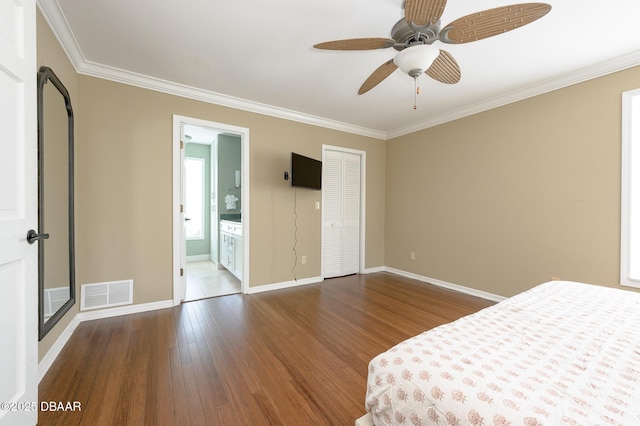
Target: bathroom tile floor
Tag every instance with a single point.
(204, 280)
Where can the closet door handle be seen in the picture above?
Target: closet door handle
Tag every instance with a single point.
(33, 236)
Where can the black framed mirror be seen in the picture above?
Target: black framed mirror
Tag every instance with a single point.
(56, 251)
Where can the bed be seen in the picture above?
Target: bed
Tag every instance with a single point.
(560, 353)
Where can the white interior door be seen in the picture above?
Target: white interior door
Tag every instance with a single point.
(332, 214)
(18, 214)
(341, 200)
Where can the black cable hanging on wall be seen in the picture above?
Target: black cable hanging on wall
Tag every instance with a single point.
(295, 234)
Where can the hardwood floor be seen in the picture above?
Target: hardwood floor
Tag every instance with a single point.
(289, 357)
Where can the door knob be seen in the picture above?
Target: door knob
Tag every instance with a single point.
(33, 236)
(187, 219)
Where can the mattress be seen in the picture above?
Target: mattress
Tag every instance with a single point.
(560, 353)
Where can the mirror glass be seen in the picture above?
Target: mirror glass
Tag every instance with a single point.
(55, 200)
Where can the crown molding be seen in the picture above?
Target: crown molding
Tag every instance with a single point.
(93, 69)
(617, 64)
(55, 18)
(60, 27)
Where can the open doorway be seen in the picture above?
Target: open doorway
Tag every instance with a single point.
(210, 155)
(210, 221)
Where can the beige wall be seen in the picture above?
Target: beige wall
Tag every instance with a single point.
(124, 183)
(51, 54)
(499, 201)
(124, 187)
(503, 200)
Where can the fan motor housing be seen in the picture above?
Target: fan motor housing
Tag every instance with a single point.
(407, 34)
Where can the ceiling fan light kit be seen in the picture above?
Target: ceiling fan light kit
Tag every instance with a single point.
(415, 60)
(414, 36)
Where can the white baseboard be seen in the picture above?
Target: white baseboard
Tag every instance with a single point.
(61, 341)
(444, 284)
(282, 285)
(198, 257)
(124, 310)
(55, 350)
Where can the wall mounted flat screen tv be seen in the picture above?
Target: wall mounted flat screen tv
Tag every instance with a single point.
(305, 172)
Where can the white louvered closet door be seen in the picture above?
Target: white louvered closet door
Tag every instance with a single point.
(341, 225)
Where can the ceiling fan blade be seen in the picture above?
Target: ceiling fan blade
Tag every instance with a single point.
(423, 12)
(357, 44)
(444, 69)
(492, 22)
(382, 72)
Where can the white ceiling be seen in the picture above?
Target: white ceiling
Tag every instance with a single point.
(257, 55)
(201, 135)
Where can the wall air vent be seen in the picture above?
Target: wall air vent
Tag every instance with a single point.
(106, 295)
(54, 298)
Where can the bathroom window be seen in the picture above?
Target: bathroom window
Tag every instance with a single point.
(630, 196)
(194, 198)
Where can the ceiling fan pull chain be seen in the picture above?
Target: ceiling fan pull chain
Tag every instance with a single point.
(416, 92)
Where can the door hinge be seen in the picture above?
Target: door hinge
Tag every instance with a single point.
(181, 208)
(182, 272)
(181, 145)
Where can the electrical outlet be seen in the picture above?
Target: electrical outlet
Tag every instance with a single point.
(303, 259)
(413, 255)
(317, 205)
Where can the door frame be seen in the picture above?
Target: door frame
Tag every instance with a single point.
(178, 217)
(363, 208)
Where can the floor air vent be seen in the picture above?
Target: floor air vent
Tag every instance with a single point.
(106, 295)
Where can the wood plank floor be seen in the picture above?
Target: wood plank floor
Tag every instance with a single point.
(289, 357)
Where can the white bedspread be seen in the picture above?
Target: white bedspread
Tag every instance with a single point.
(561, 353)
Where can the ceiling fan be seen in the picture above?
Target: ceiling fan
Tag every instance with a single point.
(414, 35)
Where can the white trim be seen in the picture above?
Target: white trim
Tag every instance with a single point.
(588, 73)
(373, 270)
(47, 361)
(124, 310)
(61, 341)
(64, 337)
(60, 27)
(245, 207)
(629, 193)
(243, 132)
(190, 92)
(447, 285)
(175, 205)
(283, 285)
(363, 203)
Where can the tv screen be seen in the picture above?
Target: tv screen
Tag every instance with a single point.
(305, 172)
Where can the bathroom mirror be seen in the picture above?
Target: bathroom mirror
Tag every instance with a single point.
(56, 263)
